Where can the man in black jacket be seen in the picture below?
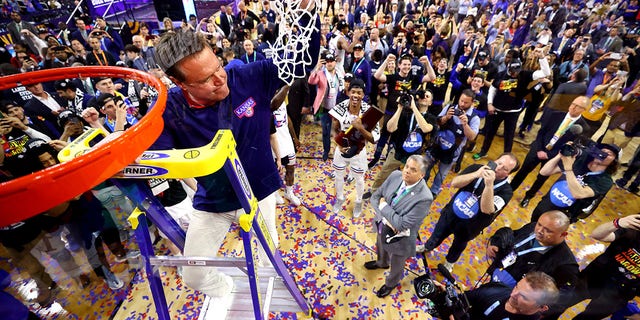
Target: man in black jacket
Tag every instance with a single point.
(555, 132)
(505, 101)
(540, 246)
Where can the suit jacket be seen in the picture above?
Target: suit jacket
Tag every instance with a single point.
(224, 23)
(17, 36)
(550, 123)
(555, 24)
(566, 50)
(614, 46)
(407, 213)
(34, 108)
(563, 96)
(78, 36)
(558, 262)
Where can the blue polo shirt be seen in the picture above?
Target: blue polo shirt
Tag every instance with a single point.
(246, 111)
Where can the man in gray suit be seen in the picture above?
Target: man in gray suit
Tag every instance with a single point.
(400, 204)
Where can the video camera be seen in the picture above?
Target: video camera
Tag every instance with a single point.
(451, 301)
(577, 149)
(407, 95)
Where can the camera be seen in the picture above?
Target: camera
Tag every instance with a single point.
(578, 149)
(425, 288)
(457, 111)
(405, 98)
(492, 165)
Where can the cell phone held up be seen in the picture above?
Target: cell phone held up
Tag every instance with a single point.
(492, 165)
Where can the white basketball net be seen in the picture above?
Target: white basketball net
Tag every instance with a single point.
(290, 50)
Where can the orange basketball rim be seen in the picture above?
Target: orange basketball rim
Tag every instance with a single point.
(30, 195)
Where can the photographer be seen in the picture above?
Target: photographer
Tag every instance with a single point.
(612, 278)
(399, 82)
(531, 296)
(484, 191)
(458, 123)
(409, 127)
(27, 63)
(586, 176)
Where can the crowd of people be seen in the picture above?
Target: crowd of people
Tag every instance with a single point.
(436, 73)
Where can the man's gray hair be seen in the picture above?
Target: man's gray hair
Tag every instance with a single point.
(176, 46)
(421, 161)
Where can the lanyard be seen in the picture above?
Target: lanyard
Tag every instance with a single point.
(332, 79)
(413, 117)
(495, 186)
(536, 249)
(356, 66)
(103, 57)
(254, 57)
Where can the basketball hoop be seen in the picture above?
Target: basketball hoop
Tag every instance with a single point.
(30, 195)
(290, 51)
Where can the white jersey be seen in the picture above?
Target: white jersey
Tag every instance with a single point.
(341, 113)
(285, 142)
(339, 53)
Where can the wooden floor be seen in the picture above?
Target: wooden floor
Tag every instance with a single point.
(324, 252)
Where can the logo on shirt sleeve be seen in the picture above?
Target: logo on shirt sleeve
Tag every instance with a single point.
(245, 109)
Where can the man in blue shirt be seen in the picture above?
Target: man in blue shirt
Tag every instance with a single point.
(208, 98)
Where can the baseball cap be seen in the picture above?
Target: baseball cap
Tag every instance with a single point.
(34, 144)
(348, 77)
(65, 116)
(515, 65)
(63, 85)
(482, 55)
(330, 57)
(356, 83)
(104, 98)
(358, 47)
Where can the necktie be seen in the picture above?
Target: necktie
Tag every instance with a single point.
(400, 194)
(562, 43)
(608, 43)
(89, 86)
(561, 130)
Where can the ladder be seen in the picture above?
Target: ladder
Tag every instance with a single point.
(274, 284)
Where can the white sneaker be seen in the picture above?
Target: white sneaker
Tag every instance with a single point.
(449, 266)
(357, 209)
(295, 201)
(216, 308)
(111, 279)
(279, 199)
(337, 206)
